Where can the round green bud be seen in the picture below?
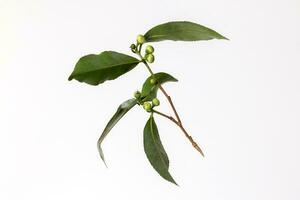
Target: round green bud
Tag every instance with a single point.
(137, 94)
(140, 39)
(150, 58)
(155, 102)
(147, 106)
(153, 81)
(149, 49)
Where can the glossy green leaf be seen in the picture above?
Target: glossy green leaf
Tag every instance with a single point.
(155, 151)
(108, 65)
(149, 91)
(122, 110)
(181, 30)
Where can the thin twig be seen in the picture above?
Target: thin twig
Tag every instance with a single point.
(166, 116)
(178, 121)
(195, 145)
(171, 102)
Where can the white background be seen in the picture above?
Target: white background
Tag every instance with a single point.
(239, 99)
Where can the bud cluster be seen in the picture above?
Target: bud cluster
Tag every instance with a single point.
(148, 105)
(149, 57)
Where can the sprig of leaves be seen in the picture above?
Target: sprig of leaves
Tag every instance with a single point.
(109, 65)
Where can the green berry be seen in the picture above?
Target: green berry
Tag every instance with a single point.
(153, 81)
(137, 94)
(150, 58)
(147, 106)
(149, 49)
(140, 39)
(155, 102)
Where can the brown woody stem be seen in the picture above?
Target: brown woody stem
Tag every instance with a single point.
(195, 145)
(177, 121)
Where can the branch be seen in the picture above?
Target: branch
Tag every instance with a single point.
(171, 102)
(179, 124)
(178, 121)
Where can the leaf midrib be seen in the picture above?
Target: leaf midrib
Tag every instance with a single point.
(163, 35)
(111, 66)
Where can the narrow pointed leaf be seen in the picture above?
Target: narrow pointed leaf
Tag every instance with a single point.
(182, 31)
(122, 110)
(149, 91)
(155, 151)
(108, 65)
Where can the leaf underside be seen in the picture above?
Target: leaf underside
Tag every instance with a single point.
(181, 31)
(155, 151)
(108, 65)
(149, 91)
(122, 110)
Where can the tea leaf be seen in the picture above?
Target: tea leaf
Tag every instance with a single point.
(155, 151)
(122, 110)
(109, 65)
(181, 30)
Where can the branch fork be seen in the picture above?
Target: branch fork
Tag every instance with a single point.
(177, 121)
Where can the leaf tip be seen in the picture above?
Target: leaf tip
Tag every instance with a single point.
(175, 184)
(105, 164)
(222, 37)
(102, 158)
(173, 181)
(70, 78)
(101, 154)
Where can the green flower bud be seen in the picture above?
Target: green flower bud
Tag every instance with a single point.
(133, 48)
(137, 94)
(150, 58)
(155, 102)
(140, 39)
(153, 81)
(149, 49)
(147, 106)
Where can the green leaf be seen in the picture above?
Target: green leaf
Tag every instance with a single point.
(149, 91)
(155, 151)
(181, 30)
(122, 110)
(108, 65)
